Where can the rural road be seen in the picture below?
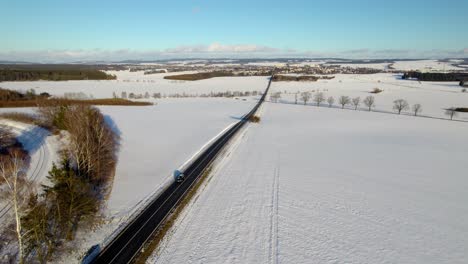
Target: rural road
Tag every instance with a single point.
(128, 243)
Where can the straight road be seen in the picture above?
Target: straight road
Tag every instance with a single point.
(132, 238)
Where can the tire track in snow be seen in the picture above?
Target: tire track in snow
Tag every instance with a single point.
(274, 217)
(38, 162)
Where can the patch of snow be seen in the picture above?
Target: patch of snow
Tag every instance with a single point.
(424, 65)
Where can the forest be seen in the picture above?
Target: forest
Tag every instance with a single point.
(435, 76)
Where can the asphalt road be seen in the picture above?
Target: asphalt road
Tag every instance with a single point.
(128, 243)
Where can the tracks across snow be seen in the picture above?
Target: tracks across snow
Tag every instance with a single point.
(274, 217)
(41, 148)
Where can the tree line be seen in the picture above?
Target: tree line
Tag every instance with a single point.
(147, 95)
(53, 75)
(10, 95)
(11, 98)
(435, 76)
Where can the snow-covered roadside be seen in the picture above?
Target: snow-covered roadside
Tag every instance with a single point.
(317, 185)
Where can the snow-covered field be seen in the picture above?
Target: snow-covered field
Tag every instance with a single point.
(139, 83)
(425, 65)
(434, 97)
(345, 184)
(156, 140)
(320, 185)
(411, 65)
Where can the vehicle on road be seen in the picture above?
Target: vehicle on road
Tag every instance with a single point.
(91, 254)
(179, 176)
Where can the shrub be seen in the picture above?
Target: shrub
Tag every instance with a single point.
(376, 90)
(254, 119)
(20, 117)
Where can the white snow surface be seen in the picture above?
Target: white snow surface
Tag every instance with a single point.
(425, 65)
(320, 185)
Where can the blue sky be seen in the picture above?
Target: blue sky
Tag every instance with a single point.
(204, 28)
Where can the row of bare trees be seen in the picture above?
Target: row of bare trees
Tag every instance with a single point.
(146, 95)
(319, 97)
(399, 105)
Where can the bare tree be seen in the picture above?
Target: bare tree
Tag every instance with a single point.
(356, 102)
(400, 105)
(92, 142)
(344, 100)
(369, 101)
(330, 101)
(319, 97)
(451, 112)
(305, 97)
(16, 190)
(274, 97)
(417, 108)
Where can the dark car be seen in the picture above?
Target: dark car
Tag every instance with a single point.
(91, 254)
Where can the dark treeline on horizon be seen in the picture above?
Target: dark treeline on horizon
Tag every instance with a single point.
(436, 76)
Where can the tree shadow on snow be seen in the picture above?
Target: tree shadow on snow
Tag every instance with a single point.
(112, 125)
(33, 138)
(236, 117)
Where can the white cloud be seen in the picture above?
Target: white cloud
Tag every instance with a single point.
(218, 50)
